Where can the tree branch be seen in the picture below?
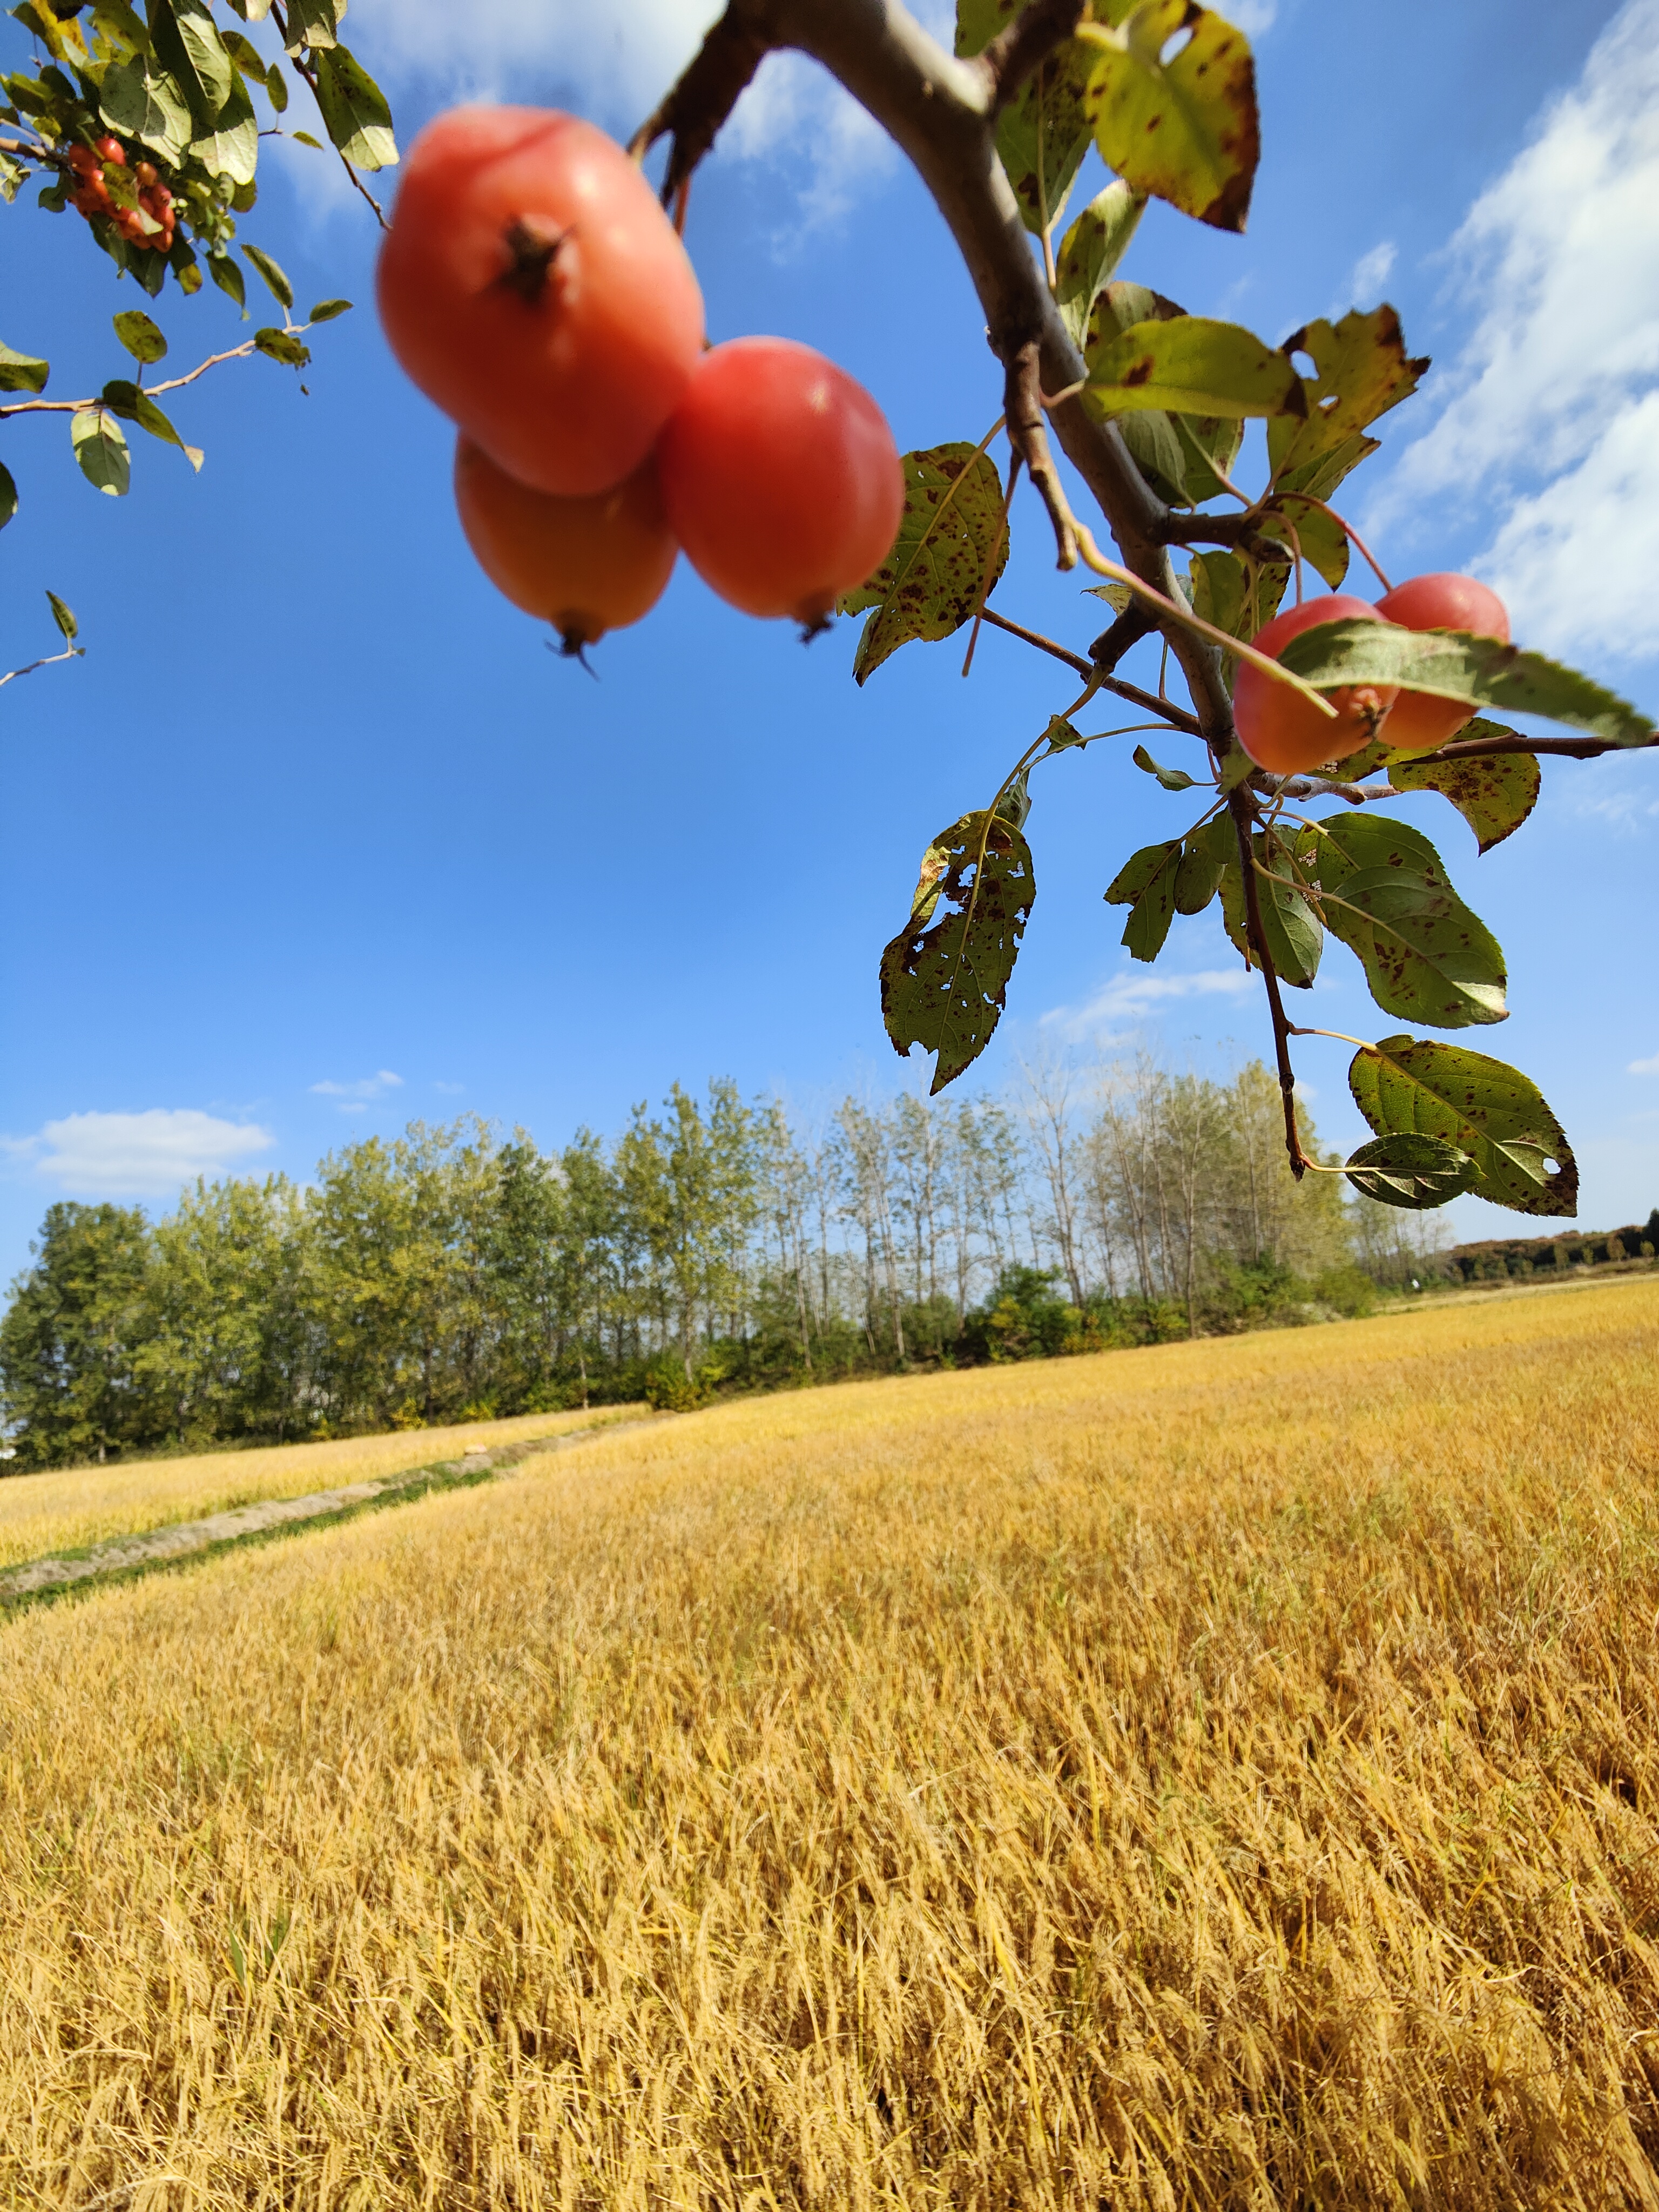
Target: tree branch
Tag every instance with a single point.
(1020, 51)
(1238, 805)
(1566, 748)
(940, 112)
(1176, 717)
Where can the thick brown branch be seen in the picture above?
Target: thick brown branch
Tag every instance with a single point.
(1239, 805)
(696, 110)
(940, 112)
(1021, 50)
(1132, 624)
(1022, 409)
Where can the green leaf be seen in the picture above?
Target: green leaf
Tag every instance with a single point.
(1385, 891)
(8, 495)
(229, 147)
(1323, 541)
(1042, 134)
(1186, 130)
(1494, 793)
(1419, 1172)
(1223, 592)
(283, 346)
(1172, 778)
(1453, 666)
(188, 45)
(1362, 370)
(1498, 1117)
(22, 372)
(326, 310)
(314, 23)
(1153, 910)
(64, 615)
(305, 138)
(943, 988)
(139, 100)
(1013, 802)
(120, 25)
(134, 406)
(1090, 251)
(1140, 871)
(101, 448)
(276, 283)
(227, 276)
(1198, 877)
(1296, 942)
(355, 111)
(276, 88)
(1211, 443)
(929, 584)
(1194, 366)
(140, 336)
(1060, 734)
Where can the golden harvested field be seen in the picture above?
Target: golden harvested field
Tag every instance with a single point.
(1223, 1775)
(81, 1506)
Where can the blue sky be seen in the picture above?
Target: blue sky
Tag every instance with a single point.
(319, 837)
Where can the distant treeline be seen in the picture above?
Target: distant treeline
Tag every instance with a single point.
(453, 1274)
(1498, 1257)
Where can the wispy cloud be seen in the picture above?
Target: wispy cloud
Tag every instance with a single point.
(1645, 1066)
(122, 1155)
(1363, 285)
(1551, 411)
(451, 1090)
(1131, 996)
(353, 1097)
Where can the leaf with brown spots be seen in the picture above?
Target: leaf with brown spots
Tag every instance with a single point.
(1494, 794)
(1193, 365)
(1043, 133)
(1362, 371)
(1383, 890)
(943, 988)
(1172, 99)
(930, 583)
(1419, 1086)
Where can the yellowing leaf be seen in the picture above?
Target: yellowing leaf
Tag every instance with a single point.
(1172, 99)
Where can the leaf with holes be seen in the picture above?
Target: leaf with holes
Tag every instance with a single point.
(1494, 792)
(101, 448)
(1090, 251)
(1178, 122)
(951, 536)
(1518, 1150)
(1419, 1172)
(1452, 665)
(944, 987)
(1193, 365)
(1361, 370)
(1385, 891)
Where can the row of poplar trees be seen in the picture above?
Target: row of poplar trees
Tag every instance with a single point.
(453, 1272)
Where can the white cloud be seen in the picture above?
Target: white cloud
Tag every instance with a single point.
(119, 1154)
(1645, 1066)
(1363, 286)
(1252, 17)
(1129, 996)
(451, 1090)
(354, 1097)
(1550, 411)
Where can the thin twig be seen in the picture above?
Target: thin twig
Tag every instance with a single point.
(1028, 435)
(70, 653)
(1239, 806)
(1176, 717)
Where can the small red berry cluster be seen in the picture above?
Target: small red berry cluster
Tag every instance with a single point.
(149, 223)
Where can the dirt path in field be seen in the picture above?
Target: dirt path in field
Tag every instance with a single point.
(122, 1554)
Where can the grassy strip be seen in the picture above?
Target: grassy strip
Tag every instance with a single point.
(425, 1482)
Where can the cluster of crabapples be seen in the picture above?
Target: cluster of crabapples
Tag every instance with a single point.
(533, 287)
(149, 221)
(1282, 730)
